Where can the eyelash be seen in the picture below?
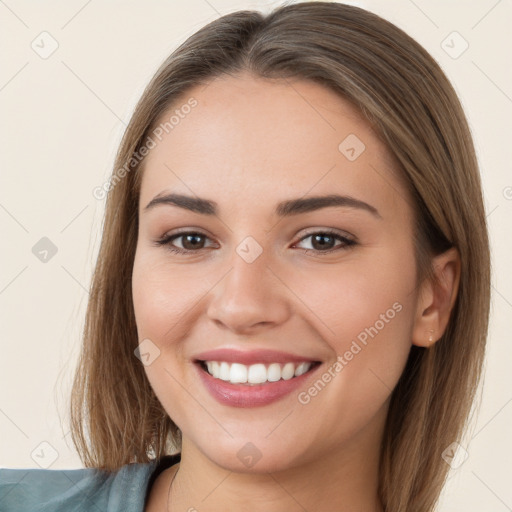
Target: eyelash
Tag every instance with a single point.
(347, 242)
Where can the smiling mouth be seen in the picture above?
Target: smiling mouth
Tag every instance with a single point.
(256, 374)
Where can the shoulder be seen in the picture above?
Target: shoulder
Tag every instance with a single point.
(51, 490)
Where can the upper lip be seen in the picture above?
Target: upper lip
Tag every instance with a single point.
(249, 357)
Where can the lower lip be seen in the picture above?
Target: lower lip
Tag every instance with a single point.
(241, 395)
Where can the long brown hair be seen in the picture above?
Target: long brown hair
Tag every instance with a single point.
(115, 416)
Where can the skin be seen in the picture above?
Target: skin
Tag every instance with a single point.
(249, 144)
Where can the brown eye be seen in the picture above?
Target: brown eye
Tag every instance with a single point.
(322, 242)
(191, 242)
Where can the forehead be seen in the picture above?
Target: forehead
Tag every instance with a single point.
(247, 137)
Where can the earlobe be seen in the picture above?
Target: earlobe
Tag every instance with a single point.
(436, 299)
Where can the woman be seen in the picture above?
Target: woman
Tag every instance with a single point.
(290, 303)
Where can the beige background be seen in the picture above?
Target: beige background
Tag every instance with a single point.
(62, 118)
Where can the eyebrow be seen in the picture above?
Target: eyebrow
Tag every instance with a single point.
(283, 209)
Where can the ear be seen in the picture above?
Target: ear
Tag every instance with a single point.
(436, 299)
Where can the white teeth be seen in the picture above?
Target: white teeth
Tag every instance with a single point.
(274, 372)
(224, 371)
(288, 371)
(302, 368)
(257, 374)
(237, 373)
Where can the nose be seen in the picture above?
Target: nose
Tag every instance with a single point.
(249, 297)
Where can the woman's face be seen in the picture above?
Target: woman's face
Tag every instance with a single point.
(269, 269)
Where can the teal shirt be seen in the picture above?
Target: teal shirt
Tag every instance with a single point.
(80, 490)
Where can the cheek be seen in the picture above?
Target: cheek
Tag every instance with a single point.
(162, 295)
(162, 300)
(365, 312)
(354, 296)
